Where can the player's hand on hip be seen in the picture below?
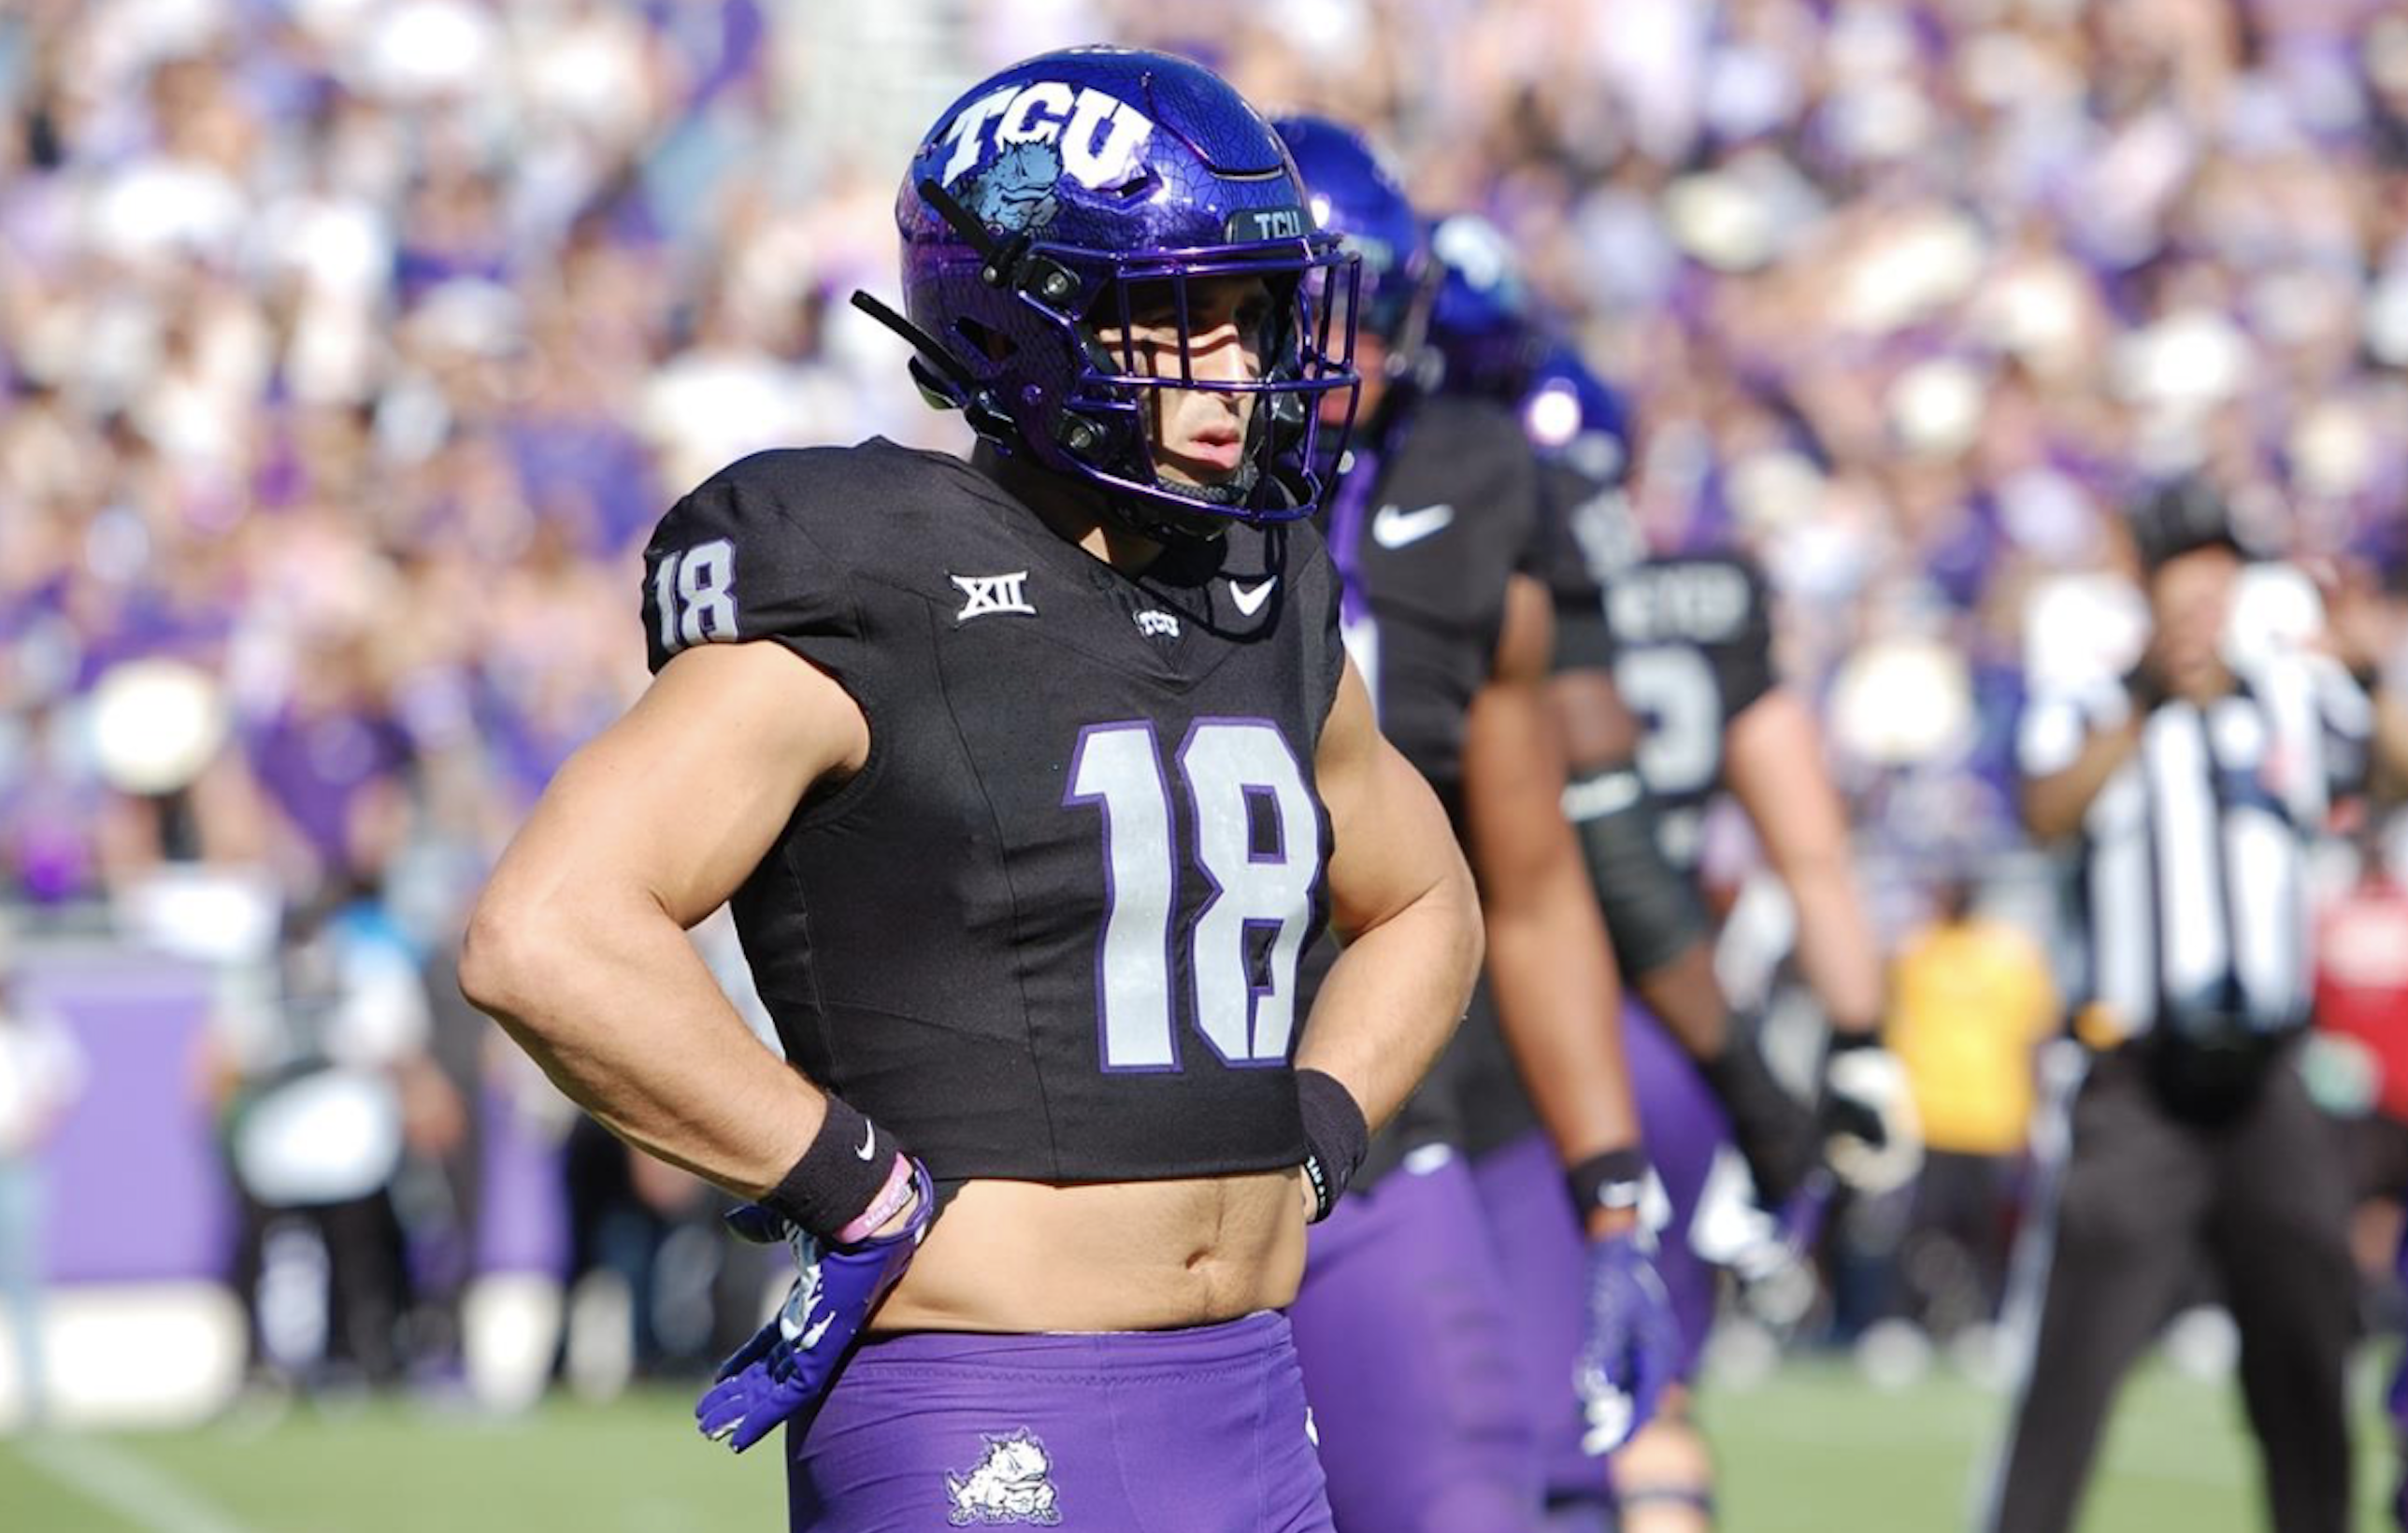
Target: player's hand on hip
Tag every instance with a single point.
(1631, 1343)
(787, 1364)
(1866, 1115)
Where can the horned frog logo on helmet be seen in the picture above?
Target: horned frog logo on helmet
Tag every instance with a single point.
(1012, 1484)
(1017, 191)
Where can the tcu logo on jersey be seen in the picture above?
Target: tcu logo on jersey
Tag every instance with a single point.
(1098, 135)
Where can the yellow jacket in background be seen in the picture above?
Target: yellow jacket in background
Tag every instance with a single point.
(1969, 1001)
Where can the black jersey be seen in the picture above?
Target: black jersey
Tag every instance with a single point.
(1587, 536)
(1693, 649)
(1431, 527)
(1429, 524)
(1051, 930)
(1689, 643)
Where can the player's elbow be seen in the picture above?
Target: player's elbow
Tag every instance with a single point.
(511, 951)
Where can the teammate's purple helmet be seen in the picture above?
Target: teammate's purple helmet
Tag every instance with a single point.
(1566, 407)
(1498, 344)
(1075, 191)
(1356, 197)
(1482, 321)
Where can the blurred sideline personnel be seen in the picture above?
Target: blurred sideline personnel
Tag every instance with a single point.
(1409, 1314)
(42, 1075)
(1970, 999)
(2184, 794)
(321, 1253)
(1685, 641)
(2362, 998)
(1040, 787)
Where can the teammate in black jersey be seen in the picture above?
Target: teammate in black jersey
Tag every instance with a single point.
(1031, 781)
(1689, 644)
(1409, 1346)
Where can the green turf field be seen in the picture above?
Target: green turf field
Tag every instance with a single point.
(1814, 1450)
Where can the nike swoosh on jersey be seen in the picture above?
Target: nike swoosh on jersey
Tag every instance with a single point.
(868, 1140)
(1394, 527)
(1250, 599)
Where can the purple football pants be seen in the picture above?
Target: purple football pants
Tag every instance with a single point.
(1541, 1258)
(1685, 1128)
(1408, 1357)
(1540, 1254)
(1189, 1431)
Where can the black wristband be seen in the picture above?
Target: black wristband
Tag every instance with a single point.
(1611, 1179)
(1651, 913)
(1335, 1138)
(839, 1176)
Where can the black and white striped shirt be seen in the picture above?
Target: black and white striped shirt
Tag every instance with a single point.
(2189, 888)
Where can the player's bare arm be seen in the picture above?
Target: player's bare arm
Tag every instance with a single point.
(1550, 963)
(1776, 769)
(1403, 902)
(577, 945)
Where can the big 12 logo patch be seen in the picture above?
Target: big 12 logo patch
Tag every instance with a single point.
(1098, 135)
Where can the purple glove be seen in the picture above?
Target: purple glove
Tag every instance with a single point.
(788, 1363)
(1627, 1358)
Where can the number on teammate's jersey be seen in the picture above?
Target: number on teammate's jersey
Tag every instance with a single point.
(1246, 943)
(1674, 686)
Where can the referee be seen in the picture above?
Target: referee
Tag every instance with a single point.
(2183, 800)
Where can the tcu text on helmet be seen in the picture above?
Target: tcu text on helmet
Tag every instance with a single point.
(1072, 118)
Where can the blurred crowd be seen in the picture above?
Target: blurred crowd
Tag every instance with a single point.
(1913, 298)
(353, 348)
(352, 345)
(350, 348)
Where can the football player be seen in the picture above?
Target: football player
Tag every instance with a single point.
(1403, 1325)
(1686, 644)
(1030, 779)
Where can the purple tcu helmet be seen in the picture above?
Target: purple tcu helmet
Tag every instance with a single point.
(1568, 410)
(1482, 321)
(1082, 188)
(1356, 195)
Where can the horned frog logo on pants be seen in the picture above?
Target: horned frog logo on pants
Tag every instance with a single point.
(1013, 1483)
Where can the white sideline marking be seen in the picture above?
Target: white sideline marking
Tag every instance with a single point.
(136, 1491)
